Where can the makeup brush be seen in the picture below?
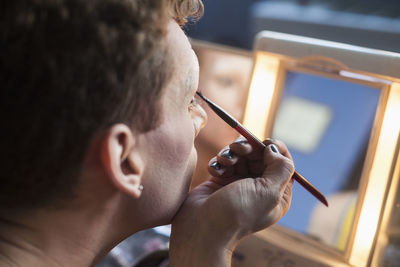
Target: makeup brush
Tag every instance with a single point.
(255, 142)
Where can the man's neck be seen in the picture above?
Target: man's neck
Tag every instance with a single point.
(58, 238)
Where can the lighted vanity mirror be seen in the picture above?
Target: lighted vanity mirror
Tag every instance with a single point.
(337, 108)
(327, 123)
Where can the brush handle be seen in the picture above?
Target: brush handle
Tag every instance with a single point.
(255, 142)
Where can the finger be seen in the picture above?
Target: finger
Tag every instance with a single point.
(223, 181)
(287, 196)
(242, 148)
(282, 148)
(218, 169)
(215, 168)
(279, 169)
(226, 157)
(241, 168)
(256, 168)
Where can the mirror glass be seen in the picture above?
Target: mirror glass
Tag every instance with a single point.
(326, 123)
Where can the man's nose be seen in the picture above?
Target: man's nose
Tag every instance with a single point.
(203, 115)
(200, 118)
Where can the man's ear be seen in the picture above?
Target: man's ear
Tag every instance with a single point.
(121, 160)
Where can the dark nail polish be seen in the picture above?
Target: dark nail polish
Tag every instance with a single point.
(274, 148)
(227, 154)
(216, 165)
(240, 141)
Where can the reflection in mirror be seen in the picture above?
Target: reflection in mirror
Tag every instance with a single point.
(224, 78)
(326, 123)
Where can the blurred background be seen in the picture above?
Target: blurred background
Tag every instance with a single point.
(369, 23)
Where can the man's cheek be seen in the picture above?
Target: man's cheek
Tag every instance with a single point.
(177, 143)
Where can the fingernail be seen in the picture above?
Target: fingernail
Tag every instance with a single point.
(227, 154)
(216, 165)
(274, 148)
(240, 141)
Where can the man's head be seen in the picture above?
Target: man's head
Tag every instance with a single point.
(69, 70)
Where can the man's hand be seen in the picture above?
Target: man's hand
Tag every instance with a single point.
(250, 190)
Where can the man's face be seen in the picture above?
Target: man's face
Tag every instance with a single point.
(169, 149)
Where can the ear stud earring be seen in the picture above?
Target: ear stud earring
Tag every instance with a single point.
(140, 188)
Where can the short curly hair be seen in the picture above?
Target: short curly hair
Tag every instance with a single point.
(68, 70)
